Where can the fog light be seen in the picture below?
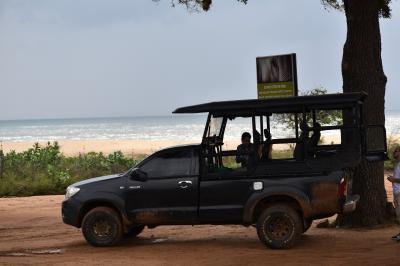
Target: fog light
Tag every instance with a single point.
(258, 185)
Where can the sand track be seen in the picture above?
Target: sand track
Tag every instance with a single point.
(31, 232)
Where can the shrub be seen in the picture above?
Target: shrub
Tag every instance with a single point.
(392, 143)
(43, 170)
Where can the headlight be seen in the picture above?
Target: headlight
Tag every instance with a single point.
(71, 191)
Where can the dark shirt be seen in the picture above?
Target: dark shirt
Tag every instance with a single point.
(313, 143)
(243, 153)
(299, 149)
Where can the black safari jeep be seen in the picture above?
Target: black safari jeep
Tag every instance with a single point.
(280, 193)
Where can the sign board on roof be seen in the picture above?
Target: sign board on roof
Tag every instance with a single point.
(276, 76)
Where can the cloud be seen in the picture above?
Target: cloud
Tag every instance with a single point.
(122, 58)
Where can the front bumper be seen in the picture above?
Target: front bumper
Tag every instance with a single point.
(351, 204)
(70, 212)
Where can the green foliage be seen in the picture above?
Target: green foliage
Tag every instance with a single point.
(196, 5)
(1, 162)
(392, 143)
(384, 6)
(230, 162)
(282, 154)
(44, 170)
(333, 4)
(324, 117)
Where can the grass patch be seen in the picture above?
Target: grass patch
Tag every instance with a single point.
(43, 170)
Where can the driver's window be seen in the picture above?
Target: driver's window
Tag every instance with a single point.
(169, 164)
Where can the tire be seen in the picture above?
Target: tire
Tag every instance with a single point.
(279, 226)
(307, 225)
(102, 227)
(134, 230)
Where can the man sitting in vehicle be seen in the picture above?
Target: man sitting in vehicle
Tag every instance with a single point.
(314, 140)
(266, 153)
(303, 141)
(245, 150)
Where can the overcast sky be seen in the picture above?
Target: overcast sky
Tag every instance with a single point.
(100, 58)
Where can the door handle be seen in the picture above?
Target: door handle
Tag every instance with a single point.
(184, 183)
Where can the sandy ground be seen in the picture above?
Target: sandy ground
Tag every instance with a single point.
(31, 232)
(74, 147)
(129, 147)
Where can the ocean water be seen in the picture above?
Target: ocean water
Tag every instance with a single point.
(176, 127)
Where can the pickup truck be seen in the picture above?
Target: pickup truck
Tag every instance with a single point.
(195, 184)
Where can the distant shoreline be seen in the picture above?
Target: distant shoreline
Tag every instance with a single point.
(107, 117)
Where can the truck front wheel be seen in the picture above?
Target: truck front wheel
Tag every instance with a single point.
(134, 230)
(102, 227)
(279, 226)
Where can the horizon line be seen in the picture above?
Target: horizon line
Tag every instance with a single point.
(96, 117)
(113, 117)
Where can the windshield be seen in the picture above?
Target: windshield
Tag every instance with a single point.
(215, 126)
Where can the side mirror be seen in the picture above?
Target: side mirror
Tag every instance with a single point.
(138, 174)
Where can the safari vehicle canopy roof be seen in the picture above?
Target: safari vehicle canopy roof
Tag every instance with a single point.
(288, 104)
(356, 139)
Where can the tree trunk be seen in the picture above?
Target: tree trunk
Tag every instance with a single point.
(362, 71)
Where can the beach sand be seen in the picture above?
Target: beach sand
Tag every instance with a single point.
(75, 147)
(32, 233)
(128, 147)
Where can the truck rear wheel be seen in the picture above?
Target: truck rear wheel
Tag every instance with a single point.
(279, 226)
(102, 227)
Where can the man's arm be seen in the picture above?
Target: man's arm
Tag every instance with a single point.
(393, 179)
(240, 157)
(396, 180)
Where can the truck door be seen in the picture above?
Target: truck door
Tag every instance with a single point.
(169, 192)
(223, 200)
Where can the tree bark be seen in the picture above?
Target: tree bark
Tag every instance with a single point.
(362, 71)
